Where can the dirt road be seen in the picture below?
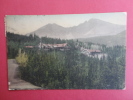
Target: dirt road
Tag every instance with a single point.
(14, 80)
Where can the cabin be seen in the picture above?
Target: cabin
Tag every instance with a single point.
(47, 46)
(62, 47)
(90, 51)
(94, 52)
(29, 47)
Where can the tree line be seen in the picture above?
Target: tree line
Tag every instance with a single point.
(70, 69)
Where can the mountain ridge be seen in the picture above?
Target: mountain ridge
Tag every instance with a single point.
(90, 28)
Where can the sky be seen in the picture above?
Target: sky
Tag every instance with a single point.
(23, 24)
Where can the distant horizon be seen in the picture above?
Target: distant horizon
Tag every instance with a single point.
(24, 24)
(66, 27)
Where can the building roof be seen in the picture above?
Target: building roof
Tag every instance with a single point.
(55, 45)
(98, 51)
(60, 45)
(29, 46)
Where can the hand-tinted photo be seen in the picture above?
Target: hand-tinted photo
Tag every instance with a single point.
(74, 51)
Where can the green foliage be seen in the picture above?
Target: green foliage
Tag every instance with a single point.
(15, 41)
(72, 70)
(22, 58)
(68, 69)
(22, 39)
(48, 40)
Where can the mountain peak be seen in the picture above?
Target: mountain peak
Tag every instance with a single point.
(91, 28)
(52, 25)
(94, 19)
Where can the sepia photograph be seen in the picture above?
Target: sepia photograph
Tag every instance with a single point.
(69, 51)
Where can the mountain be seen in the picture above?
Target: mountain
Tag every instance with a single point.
(118, 39)
(51, 30)
(91, 28)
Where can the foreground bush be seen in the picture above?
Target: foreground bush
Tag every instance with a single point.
(22, 58)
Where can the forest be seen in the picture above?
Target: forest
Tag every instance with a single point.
(69, 69)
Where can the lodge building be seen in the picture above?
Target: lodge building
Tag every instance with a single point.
(63, 46)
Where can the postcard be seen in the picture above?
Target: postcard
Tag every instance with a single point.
(70, 51)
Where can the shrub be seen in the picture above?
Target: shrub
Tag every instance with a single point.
(22, 58)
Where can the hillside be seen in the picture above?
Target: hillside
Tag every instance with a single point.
(119, 39)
